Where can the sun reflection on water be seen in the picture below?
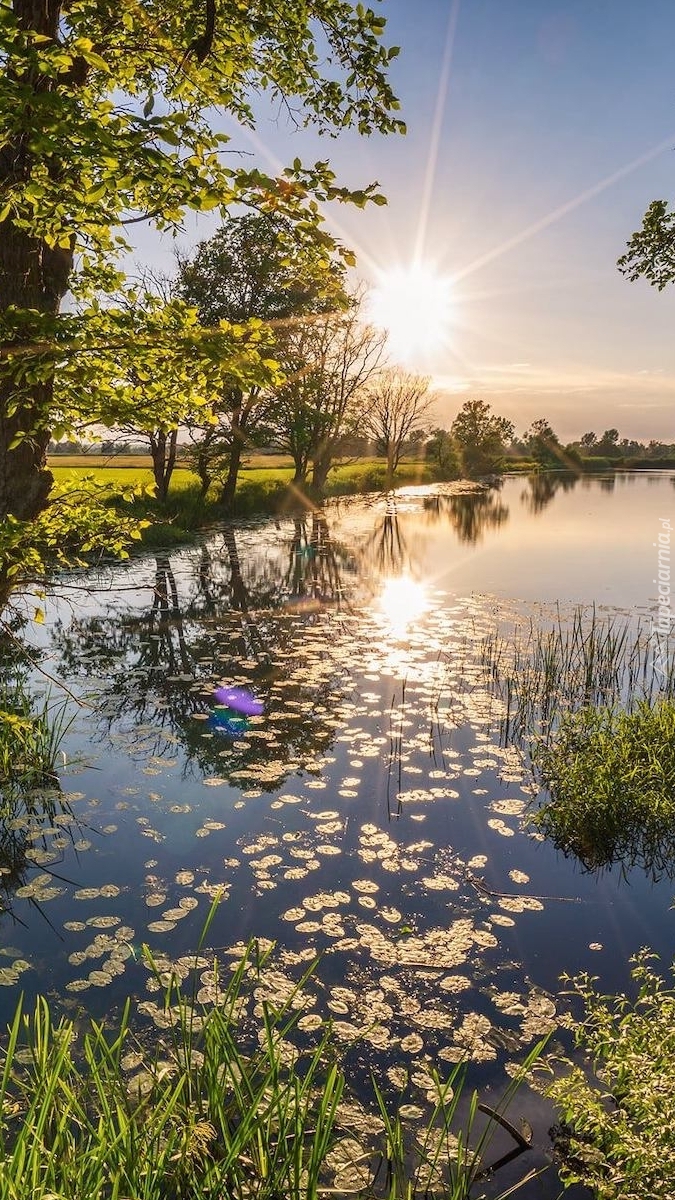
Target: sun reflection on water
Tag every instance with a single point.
(402, 602)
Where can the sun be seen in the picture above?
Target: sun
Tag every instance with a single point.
(414, 306)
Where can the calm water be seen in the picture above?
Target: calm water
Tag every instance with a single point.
(371, 814)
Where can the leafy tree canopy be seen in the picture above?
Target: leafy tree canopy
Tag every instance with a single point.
(651, 250)
(480, 435)
(254, 266)
(107, 116)
(542, 444)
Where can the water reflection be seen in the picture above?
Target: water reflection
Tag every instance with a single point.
(402, 602)
(316, 565)
(603, 849)
(240, 626)
(37, 826)
(470, 514)
(386, 550)
(543, 486)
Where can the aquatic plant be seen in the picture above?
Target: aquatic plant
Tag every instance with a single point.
(218, 1105)
(540, 674)
(29, 741)
(617, 1108)
(611, 779)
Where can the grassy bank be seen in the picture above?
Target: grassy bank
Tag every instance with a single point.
(261, 489)
(591, 702)
(610, 775)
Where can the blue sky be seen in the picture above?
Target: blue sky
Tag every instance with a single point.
(554, 131)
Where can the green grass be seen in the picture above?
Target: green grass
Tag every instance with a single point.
(524, 466)
(618, 1108)
(611, 779)
(223, 1104)
(120, 476)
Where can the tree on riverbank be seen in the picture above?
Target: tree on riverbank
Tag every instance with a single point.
(481, 436)
(543, 445)
(396, 405)
(106, 117)
(252, 268)
(328, 363)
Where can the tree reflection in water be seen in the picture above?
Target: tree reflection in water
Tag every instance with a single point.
(471, 514)
(543, 486)
(385, 552)
(223, 622)
(316, 565)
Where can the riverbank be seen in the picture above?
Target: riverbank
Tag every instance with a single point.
(262, 490)
(265, 486)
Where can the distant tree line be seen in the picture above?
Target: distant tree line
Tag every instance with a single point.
(484, 442)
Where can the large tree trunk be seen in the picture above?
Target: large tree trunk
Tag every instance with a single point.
(320, 468)
(300, 475)
(391, 466)
(163, 451)
(32, 276)
(236, 449)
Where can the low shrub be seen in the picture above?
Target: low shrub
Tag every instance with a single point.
(595, 462)
(651, 464)
(618, 1108)
(511, 463)
(611, 779)
(261, 495)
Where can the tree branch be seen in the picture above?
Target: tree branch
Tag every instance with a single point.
(201, 47)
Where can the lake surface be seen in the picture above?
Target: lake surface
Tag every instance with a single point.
(372, 814)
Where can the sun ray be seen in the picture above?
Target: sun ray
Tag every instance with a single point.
(436, 127)
(563, 209)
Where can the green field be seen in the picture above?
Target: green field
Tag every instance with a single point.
(139, 461)
(260, 469)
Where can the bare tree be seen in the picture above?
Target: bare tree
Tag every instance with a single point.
(328, 361)
(397, 403)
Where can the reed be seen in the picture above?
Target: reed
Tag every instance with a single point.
(29, 743)
(539, 674)
(610, 775)
(217, 1107)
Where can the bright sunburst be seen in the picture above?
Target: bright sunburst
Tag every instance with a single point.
(402, 602)
(414, 306)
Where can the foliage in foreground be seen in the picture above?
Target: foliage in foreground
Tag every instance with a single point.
(221, 1106)
(92, 163)
(617, 1131)
(84, 516)
(29, 743)
(611, 779)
